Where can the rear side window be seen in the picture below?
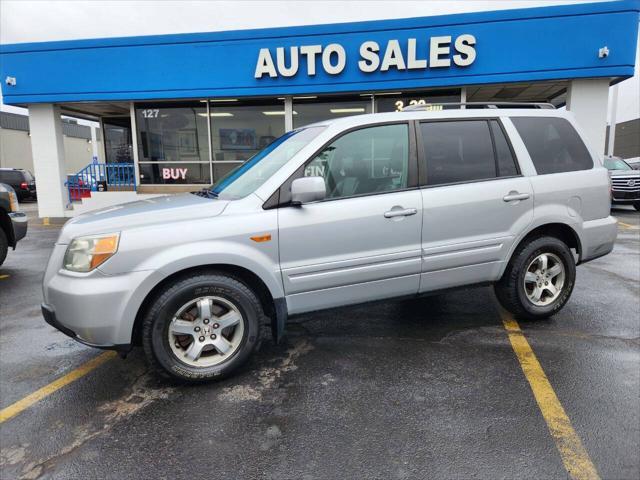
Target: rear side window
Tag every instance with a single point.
(463, 151)
(553, 144)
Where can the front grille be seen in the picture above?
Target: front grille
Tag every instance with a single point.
(622, 183)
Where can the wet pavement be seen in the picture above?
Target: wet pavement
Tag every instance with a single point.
(427, 388)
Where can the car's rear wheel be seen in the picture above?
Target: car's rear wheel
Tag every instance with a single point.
(538, 280)
(202, 327)
(4, 246)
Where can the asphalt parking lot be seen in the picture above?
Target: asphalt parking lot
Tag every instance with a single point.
(429, 388)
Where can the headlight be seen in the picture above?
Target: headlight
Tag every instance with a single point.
(86, 253)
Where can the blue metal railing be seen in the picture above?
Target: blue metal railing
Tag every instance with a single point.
(90, 178)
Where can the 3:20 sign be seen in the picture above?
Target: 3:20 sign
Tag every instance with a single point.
(417, 101)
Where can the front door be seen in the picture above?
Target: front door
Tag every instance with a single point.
(475, 202)
(362, 242)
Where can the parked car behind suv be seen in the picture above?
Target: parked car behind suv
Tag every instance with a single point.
(341, 212)
(22, 181)
(625, 182)
(13, 223)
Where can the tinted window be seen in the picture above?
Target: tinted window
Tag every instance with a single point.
(370, 160)
(458, 151)
(11, 177)
(506, 163)
(553, 144)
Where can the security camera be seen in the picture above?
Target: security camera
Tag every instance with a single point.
(603, 52)
(10, 81)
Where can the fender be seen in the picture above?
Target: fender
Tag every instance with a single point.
(216, 252)
(540, 221)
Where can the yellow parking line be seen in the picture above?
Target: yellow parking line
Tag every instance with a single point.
(2, 277)
(574, 456)
(15, 408)
(626, 225)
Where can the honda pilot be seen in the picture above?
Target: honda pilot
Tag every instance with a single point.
(342, 212)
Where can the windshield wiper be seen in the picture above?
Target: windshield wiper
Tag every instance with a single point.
(205, 192)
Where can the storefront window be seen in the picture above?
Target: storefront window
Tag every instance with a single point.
(397, 101)
(173, 143)
(307, 110)
(239, 129)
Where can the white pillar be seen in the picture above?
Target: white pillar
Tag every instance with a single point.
(614, 120)
(588, 100)
(48, 159)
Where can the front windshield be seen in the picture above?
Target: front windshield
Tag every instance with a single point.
(246, 178)
(616, 164)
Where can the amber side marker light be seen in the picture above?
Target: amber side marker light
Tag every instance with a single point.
(261, 238)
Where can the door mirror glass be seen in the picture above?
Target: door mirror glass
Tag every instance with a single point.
(307, 189)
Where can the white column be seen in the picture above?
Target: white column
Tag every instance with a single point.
(614, 120)
(48, 159)
(588, 100)
(288, 114)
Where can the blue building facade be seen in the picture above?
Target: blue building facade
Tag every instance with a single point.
(203, 103)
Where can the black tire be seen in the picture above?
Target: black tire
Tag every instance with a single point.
(155, 327)
(4, 246)
(510, 290)
(636, 205)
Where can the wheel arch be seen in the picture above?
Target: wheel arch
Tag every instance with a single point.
(242, 274)
(559, 230)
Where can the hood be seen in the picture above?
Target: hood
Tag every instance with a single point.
(151, 211)
(624, 173)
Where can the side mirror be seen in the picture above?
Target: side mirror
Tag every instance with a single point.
(307, 189)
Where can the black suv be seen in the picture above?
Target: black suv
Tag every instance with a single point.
(13, 223)
(22, 181)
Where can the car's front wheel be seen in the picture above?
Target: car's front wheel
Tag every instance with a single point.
(202, 327)
(636, 205)
(538, 280)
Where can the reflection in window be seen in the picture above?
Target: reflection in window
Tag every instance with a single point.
(370, 160)
(239, 129)
(308, 110)
(173, 133)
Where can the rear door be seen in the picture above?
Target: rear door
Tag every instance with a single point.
(363, 241)
(475, 201)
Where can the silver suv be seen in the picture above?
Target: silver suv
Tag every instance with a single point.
(341, 212)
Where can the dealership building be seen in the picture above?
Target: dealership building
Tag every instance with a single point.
(183, 110)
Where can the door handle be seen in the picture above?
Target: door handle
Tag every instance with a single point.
(514, 196)
(400, 212)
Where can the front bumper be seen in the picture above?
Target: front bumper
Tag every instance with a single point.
(19, 222)
(49, 315)
(94, 308)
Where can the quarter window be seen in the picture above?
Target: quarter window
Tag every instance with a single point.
(366, 161)
(458, 151)
(504, 157)
(553, 144)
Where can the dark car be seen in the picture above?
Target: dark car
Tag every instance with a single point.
(13, 223)
(625, 182)
(22, 181)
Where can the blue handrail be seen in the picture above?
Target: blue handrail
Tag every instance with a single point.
(81, 184)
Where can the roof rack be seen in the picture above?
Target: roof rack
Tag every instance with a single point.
(479, 105)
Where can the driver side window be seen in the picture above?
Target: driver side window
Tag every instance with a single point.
(366, 161)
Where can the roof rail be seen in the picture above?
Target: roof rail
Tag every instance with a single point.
(479, 105)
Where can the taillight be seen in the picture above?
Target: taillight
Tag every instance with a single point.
(24, 186)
